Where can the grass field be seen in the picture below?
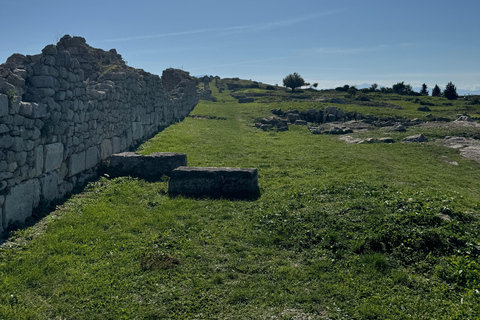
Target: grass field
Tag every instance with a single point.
(341, 231)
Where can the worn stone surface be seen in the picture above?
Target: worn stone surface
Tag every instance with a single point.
(92, 156)
(3, 105)
(415, 138)
(49, 186)
(20, 201)
(53, 156)
(151, 167)
(236, 183)
(469, 147)
(76, 163)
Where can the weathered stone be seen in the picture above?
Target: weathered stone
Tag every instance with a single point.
(92, 157)
(3, 105)
(42, 81)
(38, 160)
(463, 118)
(237, 183)
(117, 144)
(300, 122)
(53, 156)
(137, 130)
(399, 127)
(51, 49)
(3, 128)
(151, 167)
(415, 138)
(76, 163)
(21, 158)
(49, 186)
(106, 149)
(21, 200)
(6, 141)
(386, 140)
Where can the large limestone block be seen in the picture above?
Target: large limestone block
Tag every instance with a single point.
(77, 163)
(235, 183)
(3, 105)
(1, 219)
(151, 167)
(38, 154)
(117, 144)
(92, 157)
(137, 130)
(20, 201)
(2, 201)
(106, 149)
(53, 156)
(49, 186)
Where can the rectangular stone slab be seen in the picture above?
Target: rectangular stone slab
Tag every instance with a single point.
(150, 168)
(231, 183)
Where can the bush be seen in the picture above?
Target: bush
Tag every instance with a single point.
(293, 81)
(270, 87)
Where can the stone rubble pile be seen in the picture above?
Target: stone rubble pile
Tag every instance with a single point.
(65, 110)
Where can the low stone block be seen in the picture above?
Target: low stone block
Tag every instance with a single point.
(151, 167)
(20, 202)
(76, 163)
(234, 183)
(53, 156)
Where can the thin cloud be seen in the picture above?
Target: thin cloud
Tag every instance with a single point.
(230, 30)
(327, 50)
(240, 63)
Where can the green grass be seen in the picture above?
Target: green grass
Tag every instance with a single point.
(340, 231)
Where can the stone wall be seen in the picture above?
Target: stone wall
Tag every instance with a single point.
(65, 110)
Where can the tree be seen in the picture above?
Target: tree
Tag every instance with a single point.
(450, 91)
(352, 90)
(373, 87)
(424, 90)
(402, 88)
(436, 92)
(293, 80)
(315, 85)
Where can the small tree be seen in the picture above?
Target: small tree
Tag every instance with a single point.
(424, 90)
(315, 85)
(402, 88)
(293, 80)
(450, 91)
(373, 87)
(436, 92)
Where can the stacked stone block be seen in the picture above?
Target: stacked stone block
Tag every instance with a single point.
(65, 110)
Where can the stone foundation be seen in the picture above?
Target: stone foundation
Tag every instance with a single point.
(150, 168)
(231, 183)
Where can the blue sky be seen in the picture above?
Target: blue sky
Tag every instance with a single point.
(329, 42)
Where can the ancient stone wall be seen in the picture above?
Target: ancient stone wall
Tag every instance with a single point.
(65, 110)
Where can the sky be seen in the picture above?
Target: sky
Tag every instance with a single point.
(332, 43)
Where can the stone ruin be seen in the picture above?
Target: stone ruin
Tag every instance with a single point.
(211, 182)
(65, 110)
